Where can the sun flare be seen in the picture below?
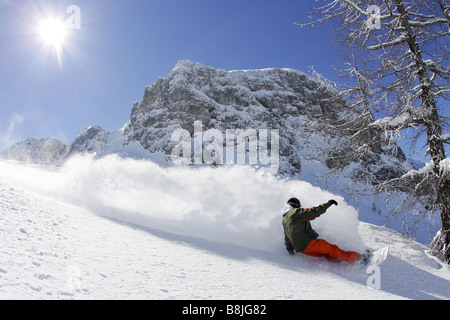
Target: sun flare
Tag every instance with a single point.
(53, 32)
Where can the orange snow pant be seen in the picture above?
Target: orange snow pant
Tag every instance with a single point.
(321, 248)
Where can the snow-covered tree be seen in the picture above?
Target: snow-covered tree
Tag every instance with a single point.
(396, 80)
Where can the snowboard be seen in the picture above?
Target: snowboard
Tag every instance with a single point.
(378, 256)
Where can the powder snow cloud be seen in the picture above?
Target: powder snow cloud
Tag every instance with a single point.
(234, 204)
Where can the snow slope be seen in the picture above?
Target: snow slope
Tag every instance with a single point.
(131, 229)
(222, 101)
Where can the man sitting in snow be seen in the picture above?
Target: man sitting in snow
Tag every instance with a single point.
(300, 237)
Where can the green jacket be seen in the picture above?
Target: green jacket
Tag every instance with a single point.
(297, 228)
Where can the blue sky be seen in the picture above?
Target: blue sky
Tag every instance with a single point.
(123, 46)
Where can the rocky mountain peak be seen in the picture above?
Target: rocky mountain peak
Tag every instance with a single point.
(280, 99)
(45, 151)
(195, 106)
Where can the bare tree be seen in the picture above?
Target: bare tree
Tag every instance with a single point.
(397, 77)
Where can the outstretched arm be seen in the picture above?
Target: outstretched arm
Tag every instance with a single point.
(315, 212)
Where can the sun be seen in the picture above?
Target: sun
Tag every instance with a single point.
(53, 32)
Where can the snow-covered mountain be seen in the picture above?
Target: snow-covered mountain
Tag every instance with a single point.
(286, 100)
(116, 219)
(195, 107)
(37, 150)
(251, 101)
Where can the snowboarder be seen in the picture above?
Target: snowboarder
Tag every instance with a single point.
(300, 237)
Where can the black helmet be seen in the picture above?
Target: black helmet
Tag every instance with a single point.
(294, 202)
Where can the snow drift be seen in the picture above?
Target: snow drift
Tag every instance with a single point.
(234, 204)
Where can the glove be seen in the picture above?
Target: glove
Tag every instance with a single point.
(333, 202)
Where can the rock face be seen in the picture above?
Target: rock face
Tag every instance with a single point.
(273, 99)
(201, 101)
(270, 99)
